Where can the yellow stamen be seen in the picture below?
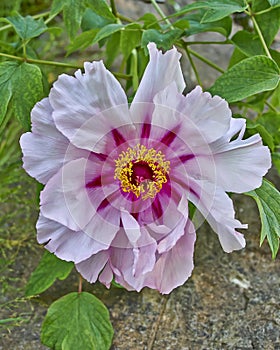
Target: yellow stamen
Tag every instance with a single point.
(155, 161)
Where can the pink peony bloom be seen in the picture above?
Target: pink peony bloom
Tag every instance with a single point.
(118, 178)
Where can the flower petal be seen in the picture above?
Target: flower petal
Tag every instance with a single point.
(217, 208)
(88, 106)
(174, 267)
(91, 267)
(160, 72)
(241, 164)
(64, 243)
(208, 116)
(45, 149)
(65, 198)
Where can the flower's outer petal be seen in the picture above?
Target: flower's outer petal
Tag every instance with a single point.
(65, 198)
(106, 275)
(45, 149)
(241, 164)
(91, 267)
(206, 115)
(174, 267)
(88, 106)
(66, 244)
(160, 72)
(216, 206)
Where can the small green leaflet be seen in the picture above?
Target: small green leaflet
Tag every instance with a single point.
(216, 9)
(77, 321)
(248, 77)
(27, 27)
(49, 269)
(130, 38)
(163, 40)
(21, 87)
(267, 198)
(73, 12)
(274, 3)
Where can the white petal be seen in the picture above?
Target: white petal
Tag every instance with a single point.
(65, 198)
(65, 243)
(216, 206)
(160, 72)
(87, 106)
(91, 268)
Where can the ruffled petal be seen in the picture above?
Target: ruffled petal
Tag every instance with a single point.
(241, 164)
(64, 243)
(65, 198)
(160, 72)
(88, 106)
(217, 208)
(174, 267)
(91, 267)
(45, 149)
(198, 114)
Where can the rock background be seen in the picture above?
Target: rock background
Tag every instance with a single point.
(231, 301)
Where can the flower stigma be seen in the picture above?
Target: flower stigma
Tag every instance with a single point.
(142, 171)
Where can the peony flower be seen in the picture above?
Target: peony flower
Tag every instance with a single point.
(119, 178)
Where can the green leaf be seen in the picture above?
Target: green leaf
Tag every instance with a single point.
(246, 78)
(267, 198)
(92, 20)
(112, 48)
(248, 43)
(215, 9)
(27, 27)
(107, 31)
(271, 122)
(21, 86)
(220, 9)
(274, 3)
(49, 269)
(72, 14)
(77, 321)
(82, 41)
(130, 38)
(276, 160)
(222, 26)
(150, 21)
(101, 8)
(269, 24)
(254, 128)
(163, 40)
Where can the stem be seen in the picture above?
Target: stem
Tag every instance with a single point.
(160, 12)
(264, 11)
(189, 43)
(205, 60)
(113, 7)
(80, 287)
(58, 64)
(32, 60)
(193, 65)
(258, 30)
(271, 107)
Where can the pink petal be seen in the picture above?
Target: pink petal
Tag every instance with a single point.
(241, 164)
(216, 206)
(65, 198)
(87, 106)
(66, 244)
(174, 267)
(160, 72)
(45, 150)
(106, 275)
(91, 268)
